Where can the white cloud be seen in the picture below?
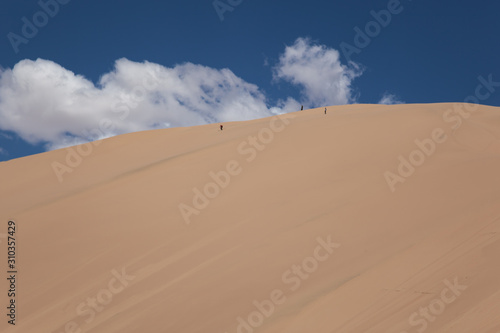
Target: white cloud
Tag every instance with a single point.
(317, 69)
(45, 103)
(389, 99)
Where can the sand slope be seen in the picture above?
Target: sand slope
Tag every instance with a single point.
(303, 232)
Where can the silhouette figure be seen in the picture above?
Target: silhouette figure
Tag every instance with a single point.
(221, 127)
(325, 110)
(302, 108)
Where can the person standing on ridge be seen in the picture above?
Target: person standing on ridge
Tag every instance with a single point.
(302, 108)
(221, 127)
(325, 110)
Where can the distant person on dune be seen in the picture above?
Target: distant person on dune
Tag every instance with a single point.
(325, 110)
(302, 108)
(221, 127)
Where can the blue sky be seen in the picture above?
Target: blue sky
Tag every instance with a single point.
(110, 67)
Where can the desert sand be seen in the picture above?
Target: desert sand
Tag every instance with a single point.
(370, 218)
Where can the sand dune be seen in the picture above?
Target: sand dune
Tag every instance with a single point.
(370, 218)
